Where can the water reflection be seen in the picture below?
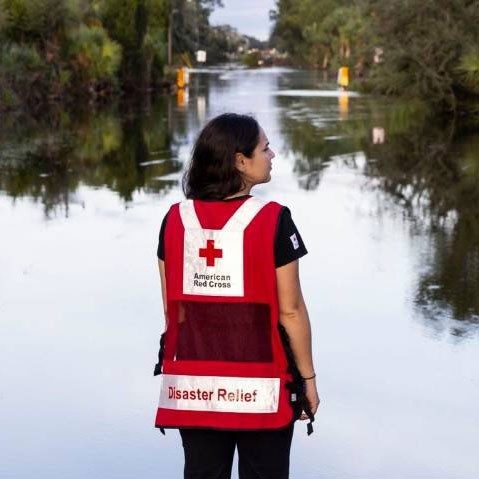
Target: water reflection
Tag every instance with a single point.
(314, 135)
(125, 151)
(430, 170)
(433, 173)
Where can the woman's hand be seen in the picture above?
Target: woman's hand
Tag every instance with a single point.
(311, 396)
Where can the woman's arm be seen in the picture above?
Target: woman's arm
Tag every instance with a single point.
(293, 315)
(161, 267)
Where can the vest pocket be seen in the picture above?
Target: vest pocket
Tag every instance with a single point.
(220, 331)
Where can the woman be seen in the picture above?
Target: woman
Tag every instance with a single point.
(234, 309)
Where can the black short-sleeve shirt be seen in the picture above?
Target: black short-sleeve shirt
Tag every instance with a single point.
(288, 245)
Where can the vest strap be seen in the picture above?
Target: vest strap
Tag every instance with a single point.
(238, 222)
(188, 215)
(244, 215)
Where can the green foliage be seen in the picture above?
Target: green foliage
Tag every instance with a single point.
(49, 157)
(290, 21)
(426, 50)
(8, 99)
(93, 55)
(430, 47)
(51, 49)
(97, 137)
(156, 50)
(31, 62)
(155, 40)
(251, 59)
(23, 74)
(17, 60)
(139, 26)
(322, 34)
(405, 116)
(224, 42)
(117, 17)
(468, 70)
(338, 37)
(37, 20)
(191, 29)
(3, 19)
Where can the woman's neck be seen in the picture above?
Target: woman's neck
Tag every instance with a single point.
(245, 191)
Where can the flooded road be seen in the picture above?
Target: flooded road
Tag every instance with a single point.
(388, 206)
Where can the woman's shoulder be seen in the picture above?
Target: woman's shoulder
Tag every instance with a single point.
(281, 208)
(173, 211)
(267, 203)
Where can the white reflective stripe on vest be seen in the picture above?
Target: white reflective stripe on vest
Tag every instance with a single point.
(221, 394)
(238, 222)
(188, 215)
(244, 215)
(213, 259)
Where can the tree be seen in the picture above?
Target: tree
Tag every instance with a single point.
(190, 24)
(320, 33)
(139, 26)
(430, 51)
(39, 22)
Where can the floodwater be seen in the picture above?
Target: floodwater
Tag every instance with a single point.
(388, 206)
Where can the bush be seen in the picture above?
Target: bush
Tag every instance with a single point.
(93, 56)
(23, 73)
(37, 20)
(467, 71)
(8, 99)
(252, 59)
(426, 49)
(139, 26)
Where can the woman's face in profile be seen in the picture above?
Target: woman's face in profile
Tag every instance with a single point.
(257, 169)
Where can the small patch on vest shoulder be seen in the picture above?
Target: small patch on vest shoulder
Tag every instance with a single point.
(294, 240)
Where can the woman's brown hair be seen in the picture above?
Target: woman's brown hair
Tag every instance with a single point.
(212, 172)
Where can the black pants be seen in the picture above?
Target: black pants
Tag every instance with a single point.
(261, 454)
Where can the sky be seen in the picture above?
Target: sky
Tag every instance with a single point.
(250, 17)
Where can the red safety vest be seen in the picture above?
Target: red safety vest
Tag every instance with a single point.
(224, 365)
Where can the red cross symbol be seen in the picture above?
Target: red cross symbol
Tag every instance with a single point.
(210, 253)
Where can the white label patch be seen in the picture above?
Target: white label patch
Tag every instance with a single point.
(294, 240)
(213, 263)
(218, 393)
(213, 259)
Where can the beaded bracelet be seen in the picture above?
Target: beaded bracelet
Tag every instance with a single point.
(312, 377)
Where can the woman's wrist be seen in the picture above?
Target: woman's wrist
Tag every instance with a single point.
(307, 378)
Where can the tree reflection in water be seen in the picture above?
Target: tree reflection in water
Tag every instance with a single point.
(432, 172)
(125, 151)
(310, 141)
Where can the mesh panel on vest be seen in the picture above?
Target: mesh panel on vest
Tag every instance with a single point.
(224, 332)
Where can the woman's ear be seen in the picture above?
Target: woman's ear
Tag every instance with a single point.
(240, 162)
